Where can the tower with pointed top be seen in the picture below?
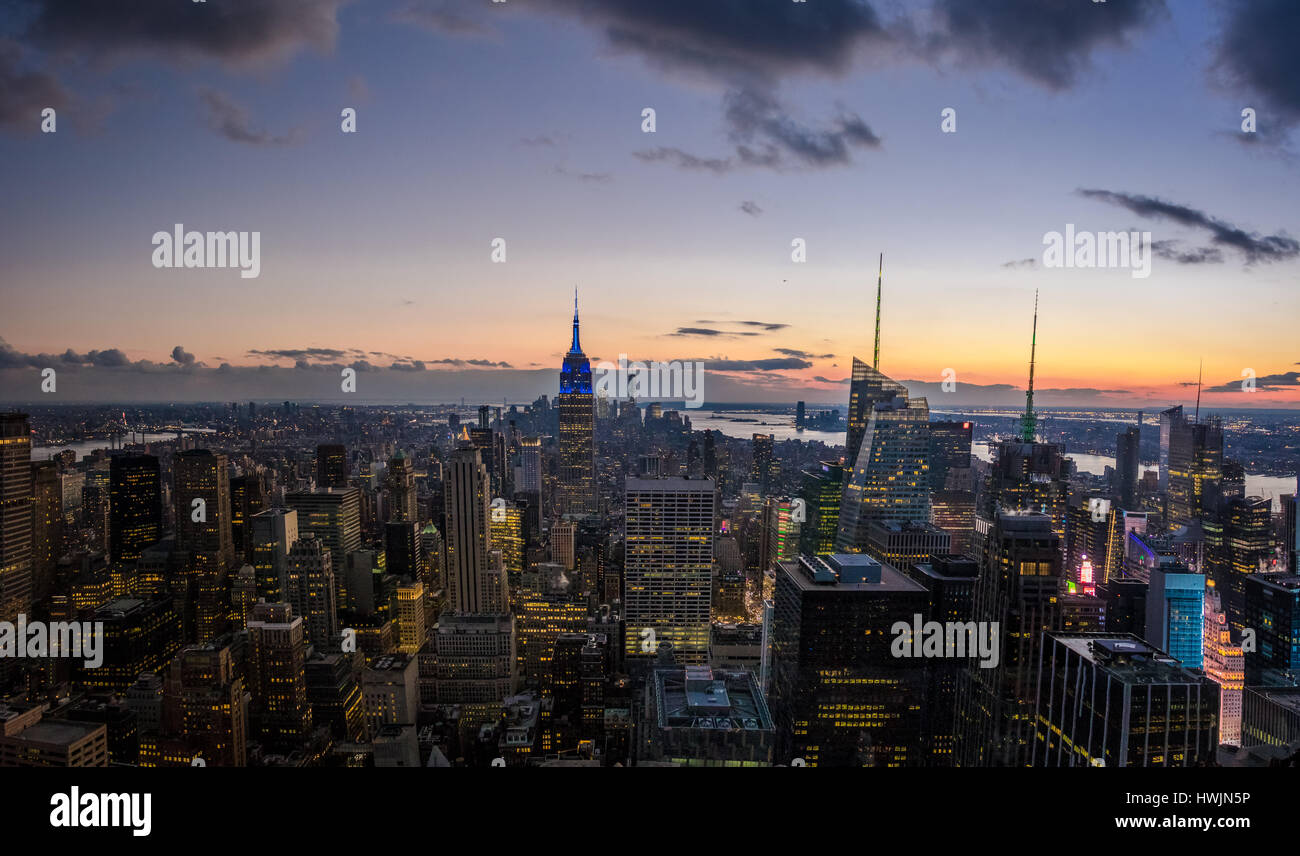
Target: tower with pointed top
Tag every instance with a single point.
(1029, 422)
(576, 491)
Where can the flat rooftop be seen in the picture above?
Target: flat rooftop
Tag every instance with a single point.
(891, 580)
(676, 483)
(1127, 657)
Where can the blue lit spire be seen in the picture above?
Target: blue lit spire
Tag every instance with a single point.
(575, 373)
(576, 348)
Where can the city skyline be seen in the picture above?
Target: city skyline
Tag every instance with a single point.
(819, 121)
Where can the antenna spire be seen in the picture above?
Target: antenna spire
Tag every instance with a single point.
(1199, 373)
(1029, 422)
(576, 348)
(880, 274)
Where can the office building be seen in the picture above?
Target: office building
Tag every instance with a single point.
(310, 589)
(271, 533)
(840, 697)
(702, 717)
(1109, 700)
(576, 482)
(332, 467)
(333, 517)
(15, 516)
(277, 656)
(135, 506)
(1176, 612)
(889, 479)
(1019, 589)
(668, 566)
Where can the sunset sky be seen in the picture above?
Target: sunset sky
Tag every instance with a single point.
(775, 121)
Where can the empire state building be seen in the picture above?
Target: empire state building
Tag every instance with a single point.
(576, 405)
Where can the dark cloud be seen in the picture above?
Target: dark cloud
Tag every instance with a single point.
(1265, 383)
(768, 365)
(1171, 251)
(734, 39)
(794, 352)
(821, 379)
(593, 177)
(231, 120)
(412, 366)
(751, 208)
(765, 135)
(707, 331)
(300, 353)
(25, 93)
(1257, 54)
(452, 361)
(685, 160)
(1048, 41)
(233, 32)
(182, 356)
(766, 325)
(455, 17)
(1254, 247)
(1021, 264)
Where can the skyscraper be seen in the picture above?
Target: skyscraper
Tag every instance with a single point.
(889, 479)
(332, 468)
(333, 515)
(1127, 462)
(474, 585)
(310, 589)
(839, 695)
(1019, 588)
(765, 467)
(823, 488)
(1195, 460)
(272, 533)
(202, 503)
(950, 448)
(1113, 700)
(399, 482)
(867, 388)
(135, 509)
(576, 404)
(669, 566)
(47, 526)
(1176, 612)
(277, 656)
(15, 515)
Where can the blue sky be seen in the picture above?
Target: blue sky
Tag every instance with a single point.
(522, 120)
